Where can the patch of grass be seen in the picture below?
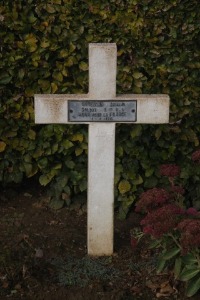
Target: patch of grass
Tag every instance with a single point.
(79, 272)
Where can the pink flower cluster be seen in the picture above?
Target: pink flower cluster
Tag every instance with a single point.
(196, 156)
(162, 220)
(190, 234)
(192, 211)
(164, 217)
(152, 199)
(170, 170)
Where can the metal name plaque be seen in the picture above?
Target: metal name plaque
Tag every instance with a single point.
(102, 111)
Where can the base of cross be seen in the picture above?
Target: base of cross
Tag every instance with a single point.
(101, 108)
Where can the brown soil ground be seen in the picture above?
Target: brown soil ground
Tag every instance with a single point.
(43, 255)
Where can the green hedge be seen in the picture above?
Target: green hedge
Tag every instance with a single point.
(44, 49)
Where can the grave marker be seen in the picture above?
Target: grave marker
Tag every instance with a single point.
(101, 108)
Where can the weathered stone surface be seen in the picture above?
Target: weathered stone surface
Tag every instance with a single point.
(101, 188)
(102, 85)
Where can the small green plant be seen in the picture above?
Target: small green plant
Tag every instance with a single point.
(173, 228)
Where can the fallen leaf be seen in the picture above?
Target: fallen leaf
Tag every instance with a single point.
(166, 290)
(39, 253)
(53, 222)
(24, 271)
(151, 285)
(18, 286)
(166, 287)
(27, 195)
(136, 289)
(164, 284)
(5, 284)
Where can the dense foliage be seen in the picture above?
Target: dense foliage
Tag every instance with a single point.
(44, 49)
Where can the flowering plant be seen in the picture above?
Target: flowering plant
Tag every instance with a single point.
(173, 228)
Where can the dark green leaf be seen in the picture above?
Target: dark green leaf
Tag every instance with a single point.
(189, 259)
(193, 287)
(188, 274)
(56, 204)
(160, 265)
(171, 253)
(177, 267)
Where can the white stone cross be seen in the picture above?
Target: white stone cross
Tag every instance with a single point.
(101, 108)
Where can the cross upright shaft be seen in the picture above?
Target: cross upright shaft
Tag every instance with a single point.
(102, 71)
(102, 86)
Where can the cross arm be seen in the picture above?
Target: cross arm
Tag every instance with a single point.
(151, 109)
(53, 109)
